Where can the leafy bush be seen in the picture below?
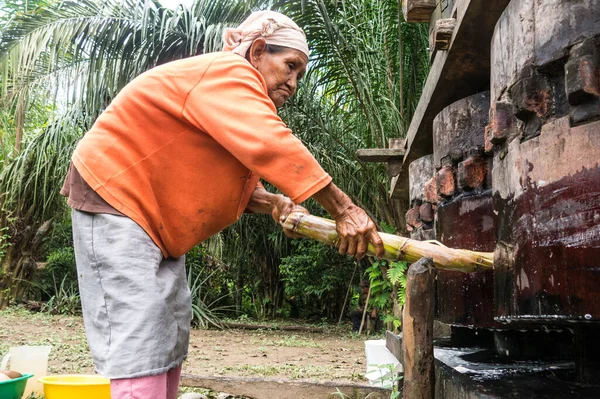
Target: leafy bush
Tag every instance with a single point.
(205, 278)
(65, 301)
(316, 278)
(60, 266)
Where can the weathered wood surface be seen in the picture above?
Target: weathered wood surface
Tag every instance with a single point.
(420, 218)
(463, 220)
(459, 130)
(544, 131)
(537, 32)
(420, 172)
(393, 343)
(443, 10)
(259, 388)
(380, 154)
(418, 10)
(442, 34)
(461, 71)
(417, 331)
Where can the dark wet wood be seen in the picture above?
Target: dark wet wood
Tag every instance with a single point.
(546, 95)
(461, 71)
(466, 299)
(417, 331)
(547, 200)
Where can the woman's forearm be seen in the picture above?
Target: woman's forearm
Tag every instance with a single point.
(334, 200)
(262, 201)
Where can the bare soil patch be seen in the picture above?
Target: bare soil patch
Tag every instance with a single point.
(335, 355)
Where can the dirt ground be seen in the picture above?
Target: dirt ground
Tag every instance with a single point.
(335, 355)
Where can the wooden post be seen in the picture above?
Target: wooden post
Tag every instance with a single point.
(417, 331)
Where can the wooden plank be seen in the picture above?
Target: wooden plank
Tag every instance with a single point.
(417, 331)
(461, 71)
(260, 388)
(393, 343)
(380, 154)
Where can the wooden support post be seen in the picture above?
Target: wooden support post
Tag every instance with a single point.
(418, 10)
(417, 331)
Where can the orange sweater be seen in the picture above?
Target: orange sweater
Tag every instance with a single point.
(182, 147)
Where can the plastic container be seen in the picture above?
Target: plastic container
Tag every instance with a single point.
(76, 387)
(28, 359)
(382, 365)
(14, 389)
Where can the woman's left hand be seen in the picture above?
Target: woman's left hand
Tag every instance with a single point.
(282, 208)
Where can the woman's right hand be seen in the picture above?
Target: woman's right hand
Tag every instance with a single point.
(356, 229)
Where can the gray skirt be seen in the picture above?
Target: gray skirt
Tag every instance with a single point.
(136, 303)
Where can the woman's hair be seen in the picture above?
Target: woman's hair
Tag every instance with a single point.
(271, 49)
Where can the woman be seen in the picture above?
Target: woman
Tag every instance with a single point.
(175, 158)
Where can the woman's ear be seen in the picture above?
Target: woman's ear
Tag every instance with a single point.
(256, 51)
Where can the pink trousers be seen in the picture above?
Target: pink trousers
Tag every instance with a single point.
(162, 386)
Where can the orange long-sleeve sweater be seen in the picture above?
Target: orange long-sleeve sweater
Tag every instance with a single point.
(182, 147)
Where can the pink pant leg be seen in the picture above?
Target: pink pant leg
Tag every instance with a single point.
(173, 377)
(162, 386)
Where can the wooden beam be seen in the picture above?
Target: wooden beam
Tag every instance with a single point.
(417, 331)
(380, 154)
(461, 71)
(260, 388)
(418, 10)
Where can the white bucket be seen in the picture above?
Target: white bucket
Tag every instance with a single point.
(382, 366)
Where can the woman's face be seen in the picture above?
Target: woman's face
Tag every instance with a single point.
(281, 70)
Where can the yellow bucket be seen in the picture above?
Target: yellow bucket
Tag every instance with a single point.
(76, 387)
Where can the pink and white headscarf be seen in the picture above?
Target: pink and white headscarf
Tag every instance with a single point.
(275, 28)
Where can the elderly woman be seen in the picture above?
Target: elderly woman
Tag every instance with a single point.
(175, 158)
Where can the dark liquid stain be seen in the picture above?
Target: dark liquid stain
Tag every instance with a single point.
(466, 299)
(547, 262)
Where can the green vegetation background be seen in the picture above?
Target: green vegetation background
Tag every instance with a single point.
(62, 62)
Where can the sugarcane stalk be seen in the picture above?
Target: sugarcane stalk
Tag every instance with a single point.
(396, 248)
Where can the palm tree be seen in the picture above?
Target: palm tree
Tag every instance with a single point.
(362, 87)
(364, 83)
(85, 51)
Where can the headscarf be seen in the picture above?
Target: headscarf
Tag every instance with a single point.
(275, 28)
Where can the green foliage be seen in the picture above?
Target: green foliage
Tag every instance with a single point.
(314, 275)
(202, 275)
(364, 80)
(384, 276)
(60, 265)
(65, 301)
